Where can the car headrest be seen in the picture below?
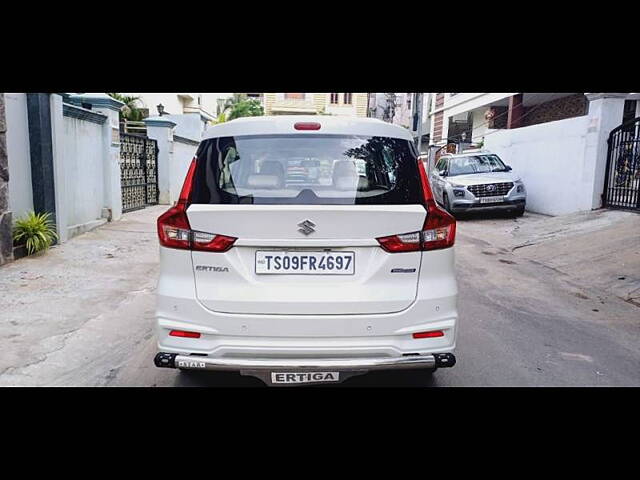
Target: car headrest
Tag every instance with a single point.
(345, 176)
(344, 168)
(272, 167)
(266, 182)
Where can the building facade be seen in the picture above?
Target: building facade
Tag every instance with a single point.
(469, 117)
(206, 105)
(399, 109)
(342, 104)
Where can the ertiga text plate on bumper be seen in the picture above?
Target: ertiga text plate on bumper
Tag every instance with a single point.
(301, 377)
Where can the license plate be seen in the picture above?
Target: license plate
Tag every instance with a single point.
(305, 263)
(305, 377)
(491, 199)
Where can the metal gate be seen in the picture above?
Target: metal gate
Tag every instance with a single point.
(138, 171)
(622, 178)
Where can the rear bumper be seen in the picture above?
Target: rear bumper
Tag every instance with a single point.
(279, 371)
(174, 360)
(467, 206)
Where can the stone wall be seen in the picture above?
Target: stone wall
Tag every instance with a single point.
(6, 242)
(566, 107)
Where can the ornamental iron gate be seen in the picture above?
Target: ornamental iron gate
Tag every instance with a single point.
(622, 178)
(138, 171)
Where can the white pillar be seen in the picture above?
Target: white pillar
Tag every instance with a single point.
(605, 114)
(161, 129)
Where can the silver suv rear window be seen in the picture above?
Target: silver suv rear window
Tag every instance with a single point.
(306, 169)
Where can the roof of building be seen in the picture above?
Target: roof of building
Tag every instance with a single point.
(284, 124)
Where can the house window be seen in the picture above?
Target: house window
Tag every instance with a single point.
(334, 98)
(347, 98)
(294, 96)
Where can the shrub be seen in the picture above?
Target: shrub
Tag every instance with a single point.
(36, 230)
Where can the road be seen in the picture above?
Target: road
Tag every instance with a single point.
(83, 313)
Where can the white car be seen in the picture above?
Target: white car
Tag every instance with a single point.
(304, 283)
(477, 181)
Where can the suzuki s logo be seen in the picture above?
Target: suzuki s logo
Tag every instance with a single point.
(306, 227)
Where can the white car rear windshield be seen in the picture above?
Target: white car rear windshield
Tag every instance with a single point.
(306, 169)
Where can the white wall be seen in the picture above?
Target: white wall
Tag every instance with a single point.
(550, 157)
(83, 179)
(18, 151)
(189, 125)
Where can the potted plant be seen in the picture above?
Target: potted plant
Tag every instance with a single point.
(33, 233)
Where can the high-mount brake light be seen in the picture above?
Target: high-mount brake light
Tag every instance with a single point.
(174, 230)
(306, 126)
(439, 230)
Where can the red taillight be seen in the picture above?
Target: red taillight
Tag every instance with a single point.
(174, 230)
(439, 230)
(182, 333)
(209, 242)
(409, 242)
(432, 334)
(187, 186)
(306, 126)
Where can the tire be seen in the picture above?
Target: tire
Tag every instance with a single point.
(519, 212)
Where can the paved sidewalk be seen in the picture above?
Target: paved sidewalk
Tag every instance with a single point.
(72, 315)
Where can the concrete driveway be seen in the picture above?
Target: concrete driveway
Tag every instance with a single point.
(543, 301)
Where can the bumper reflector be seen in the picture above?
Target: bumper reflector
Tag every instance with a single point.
(182, 333)
(432, 334)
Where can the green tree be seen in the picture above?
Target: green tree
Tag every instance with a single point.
(131, 110)
(241, 106)
(246, 108)
(219, 119)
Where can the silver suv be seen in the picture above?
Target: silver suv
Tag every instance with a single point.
(477, 180)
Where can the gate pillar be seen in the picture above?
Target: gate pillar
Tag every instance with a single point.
(161, 129)
(605, 114)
